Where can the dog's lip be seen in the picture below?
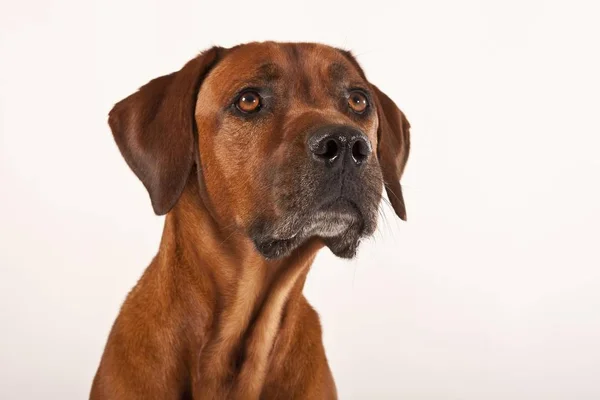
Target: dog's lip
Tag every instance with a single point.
(329, 220)
(278, 239)
(340, 209)
(342, 202)
(273, 248)
(284, 238)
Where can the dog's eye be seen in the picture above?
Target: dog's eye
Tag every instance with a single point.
(357, 102)
(248, 102)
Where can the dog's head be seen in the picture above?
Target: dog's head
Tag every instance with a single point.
(290, 142)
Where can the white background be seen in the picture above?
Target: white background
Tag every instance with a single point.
(490, 291)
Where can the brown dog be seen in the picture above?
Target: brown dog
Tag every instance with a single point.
(260, 154)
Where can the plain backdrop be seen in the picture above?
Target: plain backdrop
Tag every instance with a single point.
(491, 290)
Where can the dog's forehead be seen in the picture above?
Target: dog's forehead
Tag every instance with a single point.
(286, 62)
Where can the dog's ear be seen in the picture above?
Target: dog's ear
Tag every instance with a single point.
(154, 129)
(393, 148)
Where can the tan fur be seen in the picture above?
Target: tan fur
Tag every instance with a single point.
(211, 317)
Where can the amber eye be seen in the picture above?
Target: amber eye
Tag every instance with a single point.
(357, 102)
(248, 102)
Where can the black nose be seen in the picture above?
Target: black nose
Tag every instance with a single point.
(338, 144)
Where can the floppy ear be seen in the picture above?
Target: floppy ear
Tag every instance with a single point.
(155, 130)
(393, 148)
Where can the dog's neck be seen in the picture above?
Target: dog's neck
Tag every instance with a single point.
(251, 296)
(194, 237)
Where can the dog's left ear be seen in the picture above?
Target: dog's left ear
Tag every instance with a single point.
(154, 129)
(392, 148)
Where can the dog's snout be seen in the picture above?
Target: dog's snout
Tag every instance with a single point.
(336, 145)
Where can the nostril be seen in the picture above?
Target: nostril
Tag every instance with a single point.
(360, 151)
(327, 149)
(331, 150)
(338, 145)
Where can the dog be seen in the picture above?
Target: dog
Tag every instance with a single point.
(259, 155)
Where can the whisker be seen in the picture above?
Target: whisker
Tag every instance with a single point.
(392, 192)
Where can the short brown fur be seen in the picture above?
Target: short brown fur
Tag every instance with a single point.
(211, 318)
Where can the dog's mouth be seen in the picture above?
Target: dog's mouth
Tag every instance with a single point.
(340, 224)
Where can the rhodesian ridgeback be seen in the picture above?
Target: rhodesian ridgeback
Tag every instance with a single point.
(259, 155)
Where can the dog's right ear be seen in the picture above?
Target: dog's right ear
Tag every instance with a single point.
(393, 148)
(154, 130)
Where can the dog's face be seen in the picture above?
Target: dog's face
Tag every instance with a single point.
(290, 141)
(286, 133)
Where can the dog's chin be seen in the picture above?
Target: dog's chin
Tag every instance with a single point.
(272, 249)
(340, 227)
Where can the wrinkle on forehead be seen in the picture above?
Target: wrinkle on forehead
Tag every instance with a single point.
(269, 71)
(232, 78)
(303, 73)
(337, 71)
(310, 71)
(318, 73)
